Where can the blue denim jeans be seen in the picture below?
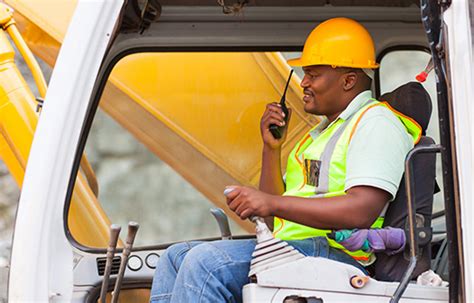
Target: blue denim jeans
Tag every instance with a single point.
(216, 271)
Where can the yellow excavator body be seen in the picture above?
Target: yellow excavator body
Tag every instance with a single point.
(134, 98)
(19, 113)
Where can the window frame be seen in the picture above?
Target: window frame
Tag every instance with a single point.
(132, 43)
(93, 106)
(385, 51)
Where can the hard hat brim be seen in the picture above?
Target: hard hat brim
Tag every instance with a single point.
(295, 62)
(301, 62)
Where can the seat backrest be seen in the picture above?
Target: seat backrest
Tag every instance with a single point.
(412, 100)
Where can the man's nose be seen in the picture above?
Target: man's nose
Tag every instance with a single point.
(304, 82)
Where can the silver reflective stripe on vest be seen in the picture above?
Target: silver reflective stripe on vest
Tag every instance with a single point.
(323, 185)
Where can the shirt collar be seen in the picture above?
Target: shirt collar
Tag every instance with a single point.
(357, 103)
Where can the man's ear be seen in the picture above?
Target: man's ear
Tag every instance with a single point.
(349, 80)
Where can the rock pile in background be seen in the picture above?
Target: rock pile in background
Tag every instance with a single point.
(135, 185)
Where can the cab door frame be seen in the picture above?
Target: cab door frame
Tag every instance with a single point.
(42, 257)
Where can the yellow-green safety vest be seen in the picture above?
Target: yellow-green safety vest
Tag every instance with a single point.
(330, 149)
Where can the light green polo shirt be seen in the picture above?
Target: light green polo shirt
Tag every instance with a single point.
(377, 151)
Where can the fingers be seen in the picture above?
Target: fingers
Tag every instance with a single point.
(232, 191)
(273, 115)
(245, 201)
(243, 211)
(236, 200)
(274, 119)
(235, 203)
(274, 108)
(245, 214)
(240, 207)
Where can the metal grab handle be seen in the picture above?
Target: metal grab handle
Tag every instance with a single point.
(114, 234)
(132, 232)
(410, 188)
(223, 223)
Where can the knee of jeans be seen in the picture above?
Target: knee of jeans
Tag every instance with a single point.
(206, 257)
(174, 251)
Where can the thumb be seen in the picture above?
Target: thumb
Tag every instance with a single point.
(289, 114)
(285, 130)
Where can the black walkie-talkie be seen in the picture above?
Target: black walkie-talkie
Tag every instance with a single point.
(276, 130)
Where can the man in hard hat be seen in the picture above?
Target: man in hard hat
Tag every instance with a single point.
(341, 175)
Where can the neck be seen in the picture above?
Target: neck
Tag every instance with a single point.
(345, 101)
(333, 116)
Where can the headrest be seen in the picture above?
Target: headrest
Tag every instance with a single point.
(412, 100)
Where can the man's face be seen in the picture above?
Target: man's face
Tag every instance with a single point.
(323, 88)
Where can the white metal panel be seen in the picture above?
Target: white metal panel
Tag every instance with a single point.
(322, 275)
(462, 81)
(42, 259)
(257, 293)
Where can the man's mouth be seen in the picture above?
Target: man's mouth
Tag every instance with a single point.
(308, 95)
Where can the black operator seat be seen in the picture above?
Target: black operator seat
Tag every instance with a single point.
(412, 100)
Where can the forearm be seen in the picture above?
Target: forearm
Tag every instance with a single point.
(271, 178)
(342, 212)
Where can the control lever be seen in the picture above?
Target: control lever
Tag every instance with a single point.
(132, 232)
(269, 251)
(114, 234)
(223, 223)
(261, 228)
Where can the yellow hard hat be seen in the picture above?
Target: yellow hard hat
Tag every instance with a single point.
(338, 42)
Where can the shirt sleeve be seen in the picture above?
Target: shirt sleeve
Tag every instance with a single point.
(377, 152)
